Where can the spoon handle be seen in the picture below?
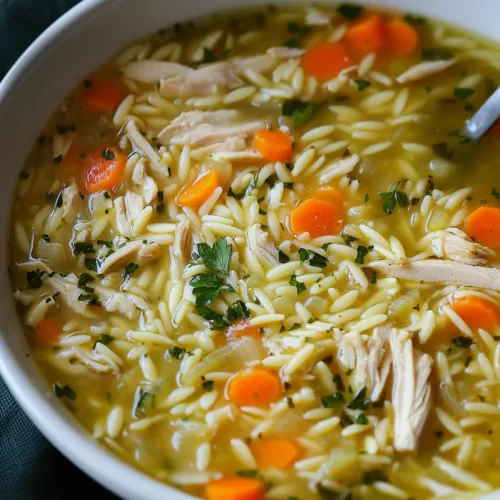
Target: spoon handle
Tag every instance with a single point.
(484, 118)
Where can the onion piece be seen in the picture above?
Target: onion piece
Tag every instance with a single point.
(51, 253)
(230, 358)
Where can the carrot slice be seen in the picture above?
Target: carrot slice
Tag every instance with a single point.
(104, 169)
(328, 194)
(278, 453)
(103, 96)
(403, 38)
(195, 194)
(243, 329)
(367, 35)
(254, 387)
(325, 61)
(273, 145)
(317, 217)
(483, 225)
(48, 331)
(235, 488)
(477, 312)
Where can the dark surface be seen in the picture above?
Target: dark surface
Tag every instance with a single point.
(30, 468)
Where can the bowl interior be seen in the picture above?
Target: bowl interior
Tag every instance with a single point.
(58, 60)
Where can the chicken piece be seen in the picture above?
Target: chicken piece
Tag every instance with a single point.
(145, 182)
(149, 71)
(425, 69)
(149, 252)
(441, 271)
(127, 304)
(127, 251)
(285, 52)
(370, 359)
(316, 17)
(203, 128)
(70, 201)
(183, 242)
(454, 244)
(97, 362)
(411, 391)
(139, 141)
(261, 244)
(214, 78)
(338, 168)
(246, 156)
(134, 205)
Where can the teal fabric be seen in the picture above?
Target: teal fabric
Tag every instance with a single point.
(30, 468)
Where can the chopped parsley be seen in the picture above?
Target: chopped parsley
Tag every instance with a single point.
(298, 29)
(58, 159)
(299, 286)
(84, 279)
(129, 270)
(177, 352)
(145, 401)
(34, 278)
(361, 419)
(338, 383)
(208, 385)
(362, 84)
(237, 311)
(89, 298)
(104, 339)
(359, 401)
(349, 10)
(208, 55)
(362, 253)
(300, 111)
(292, 43)
(83, 248)
(65, 392)
(462, 93)
(367, 197)
(393, 197)
(303, 254)
(462, 341)
(290, 403)
(216, 257)
(91, 264)
(207, 287)
(495, 193)
(283, 257)
(315, 259)
(333, 400)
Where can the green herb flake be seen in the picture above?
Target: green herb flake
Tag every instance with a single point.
(206, 288)
(130, 269)
(144, 401)
(237, 311)
(393, 197)
(283, 257)
(177, 352)
(361, 419)
(64, 392)
(414, 19)
(292, 43)
(462, 341)
(338, 383)
(216, 257)
(208, 55)
(247, 473)
(89, 299)
(300, 111)
(436, 55)
(104, 339)
(108, 154)
(91, 264)
(468, 361)
(303, 254)
(83, 248)
(350, 11)
(367, 197)
(359, 401)
(362, 84)
(374, 476)
(58, 159)
(463, 93)
(34, 278)
(84, 279)
(290, 403)
(495, 193)
(299, 286)
(208, 385)
(333, 400)
(362, 253)
(317, 260)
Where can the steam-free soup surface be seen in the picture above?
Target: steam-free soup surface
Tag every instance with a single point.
(256, 257)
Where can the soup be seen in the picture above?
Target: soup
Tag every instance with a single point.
(256, 256)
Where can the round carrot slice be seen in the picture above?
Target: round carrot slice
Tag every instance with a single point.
(325, 61)
(317, 217)
(104, 169)
(366, 36)
(483, 225)
(277, 453)
(197, 193)
(103, 95)
(403, 38)
(477, 312)
(273, 145)
(254, 387)
(235, 488)
(48, 331)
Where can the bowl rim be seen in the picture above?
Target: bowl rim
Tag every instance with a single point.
(77, 445)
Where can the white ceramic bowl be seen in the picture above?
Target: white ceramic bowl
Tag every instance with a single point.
(79, 41)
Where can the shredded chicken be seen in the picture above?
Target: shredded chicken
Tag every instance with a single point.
(149, 71)
(145, 182)
(70, 200)
(202, 128)
(411, 391)
(369, 358)
(149, 252)
(183, 242)
(214, 78)
(442, 271)
(246, 156)
(261, 244)
(454, 244)
(338, 168)
(425, 69)
(140, 142)
(125, 252)
(285, 52)
(96, 362)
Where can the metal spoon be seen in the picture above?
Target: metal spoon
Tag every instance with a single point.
(484, 118)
